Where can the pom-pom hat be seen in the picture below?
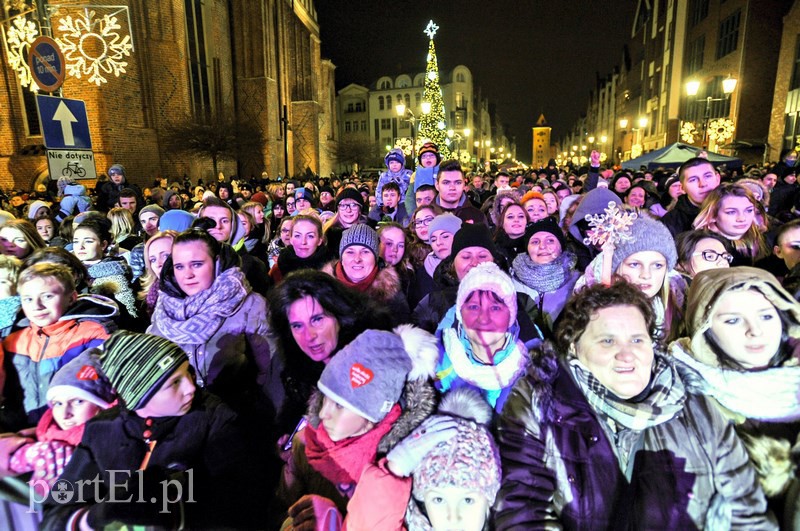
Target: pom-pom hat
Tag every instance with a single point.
(368, 375)
(488, 277)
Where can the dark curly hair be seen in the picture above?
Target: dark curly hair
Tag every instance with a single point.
(584, 304)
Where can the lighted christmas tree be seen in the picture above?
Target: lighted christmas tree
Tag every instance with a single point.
(432, 126)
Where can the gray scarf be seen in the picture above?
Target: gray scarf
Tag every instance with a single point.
(544, 278)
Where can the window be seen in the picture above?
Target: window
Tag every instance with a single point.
(347, 127)
(355, 126)
(789, 131)
(363, 125)
(407, 99)
(386, 123)
(350, 107)
(31, 115)
(795, 83)
(460, 100)
(389, 102)
(460, 77)
(380, 103)
(417, 99)
(385, 84)
(694, 58)
(198, 62)
(699, 11)
(728, 35)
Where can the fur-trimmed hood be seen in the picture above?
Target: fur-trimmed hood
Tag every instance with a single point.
(384, 287)
(417, 403)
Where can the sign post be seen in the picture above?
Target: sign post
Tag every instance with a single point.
(65, 127)
(46, 63)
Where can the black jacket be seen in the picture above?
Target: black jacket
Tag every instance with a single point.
(680, 218)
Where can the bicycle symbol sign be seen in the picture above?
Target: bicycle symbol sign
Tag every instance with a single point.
(77, 164)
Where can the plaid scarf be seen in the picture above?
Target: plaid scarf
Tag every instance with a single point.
(665, 398)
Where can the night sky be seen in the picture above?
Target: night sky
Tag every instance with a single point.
(528, 56)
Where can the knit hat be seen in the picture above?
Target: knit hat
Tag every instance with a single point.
(138, 364)
(546, 225)
(304, 193)
(531, 195)
(447, 222)
(35, 207)
(647, 235)
(368, 375)
(429, 147)
(177, 220)
(117, 168)
(488, 277)
(395, 154)
(326, 189)
(155, 209)
(360, 234)
(260, 197)
(83, 378)
(349, 193)
(473, 235)
(470, 459)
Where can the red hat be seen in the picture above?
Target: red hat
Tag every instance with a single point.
(260, 197)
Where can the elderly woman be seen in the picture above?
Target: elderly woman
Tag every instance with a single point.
(603, 434)
(314, 316)
(479, 344)
(546, 272)
(740, 320)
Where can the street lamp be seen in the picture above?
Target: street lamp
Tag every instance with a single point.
(406, 114)
(693, 87)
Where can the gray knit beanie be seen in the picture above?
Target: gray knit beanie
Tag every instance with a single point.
(447, 222)
(646, 235)
(360, 234)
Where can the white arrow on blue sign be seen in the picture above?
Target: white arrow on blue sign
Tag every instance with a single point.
(64, 122)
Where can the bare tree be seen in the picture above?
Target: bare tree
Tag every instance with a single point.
(222, 137)
(359, 151)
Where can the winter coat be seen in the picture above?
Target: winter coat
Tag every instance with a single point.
(400, 215)
(111, 278)
(546, 306)
(299, 478)
(561, 469)
(108, 194)
(681, 217)
(38, 352)
(288, 261)
(74, 201)
(206, 442)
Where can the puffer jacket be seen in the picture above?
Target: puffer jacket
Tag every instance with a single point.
(561, 470)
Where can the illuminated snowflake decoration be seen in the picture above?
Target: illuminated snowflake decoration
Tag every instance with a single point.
(612, 225)
(636, 150)
(404, 143)
(19, 37)
(689, 132)
(92, 47)
(431, 30)
(603, 157)
(465, 158)
(720, 130)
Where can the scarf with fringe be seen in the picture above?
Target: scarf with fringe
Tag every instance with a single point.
(544, 278)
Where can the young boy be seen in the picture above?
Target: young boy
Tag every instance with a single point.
(392, 209)
(698, 179)
(9, 300)
(59, 325)
(396, 173)
(172, 451)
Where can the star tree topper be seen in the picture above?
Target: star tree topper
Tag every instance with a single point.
(612, 226)
(431, 29)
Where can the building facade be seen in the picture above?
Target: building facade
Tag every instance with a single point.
(253, 61)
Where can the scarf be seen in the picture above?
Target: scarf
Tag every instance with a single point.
(194, 320)
(362, 285)
(665, 397)
(430, 263)
(288, 260)
(48, 430)
(543, 278)
(510, 362)
(342, 462)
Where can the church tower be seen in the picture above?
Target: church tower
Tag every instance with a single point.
(541, 143)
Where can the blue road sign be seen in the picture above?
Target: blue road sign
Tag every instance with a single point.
(46, 63)
(64, 123)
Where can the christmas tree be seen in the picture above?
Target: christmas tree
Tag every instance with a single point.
(432, 125)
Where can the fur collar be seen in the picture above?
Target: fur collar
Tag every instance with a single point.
(418, 403)
(385, 286)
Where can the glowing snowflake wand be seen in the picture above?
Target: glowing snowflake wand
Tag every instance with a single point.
(606, 231)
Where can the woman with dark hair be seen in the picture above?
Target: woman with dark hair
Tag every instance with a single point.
(207, 307)
(742, 324)
(277, 215)
(313, 316)
(510, 234)
(601, 432)
(699, 250)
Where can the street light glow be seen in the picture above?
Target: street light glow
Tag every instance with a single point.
(401, 109)
(729, 85)
(692, 87)
(623, 123)
(643, 122)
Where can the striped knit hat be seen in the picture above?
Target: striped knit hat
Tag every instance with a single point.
(138, 364)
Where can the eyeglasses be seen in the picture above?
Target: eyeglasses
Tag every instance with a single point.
(423, 222)
(713, 256)
(289, 203)
(349, 206)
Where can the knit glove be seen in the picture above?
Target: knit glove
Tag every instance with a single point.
(46, 459)
(409, 453)
(315, 513)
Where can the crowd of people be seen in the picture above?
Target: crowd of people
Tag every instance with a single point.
(581, 348)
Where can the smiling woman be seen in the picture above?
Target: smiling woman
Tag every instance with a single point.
(605, 398)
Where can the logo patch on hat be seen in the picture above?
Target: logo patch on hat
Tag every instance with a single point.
(165, 363)
(87, 372)
(360, 375)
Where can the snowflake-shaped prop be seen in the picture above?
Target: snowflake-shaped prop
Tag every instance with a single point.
(612, 225)
(720, 130)
(689, 132)
(19, 37)
(465, 157)
(93, 47)
(636, 150)
(404, 143)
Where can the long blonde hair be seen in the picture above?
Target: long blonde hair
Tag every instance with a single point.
(149, 278)
(752, 243)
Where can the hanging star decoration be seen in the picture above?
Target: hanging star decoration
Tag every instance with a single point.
(19, 38)
(431, 30)
(78, 42)
(613, 225)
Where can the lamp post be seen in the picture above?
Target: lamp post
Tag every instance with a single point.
(406, 114)
(692, 87)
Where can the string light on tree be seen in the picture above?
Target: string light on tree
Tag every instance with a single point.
(432, 125)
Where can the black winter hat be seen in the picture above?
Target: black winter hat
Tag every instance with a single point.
(349, 193)
(473, 235)
(549, 225)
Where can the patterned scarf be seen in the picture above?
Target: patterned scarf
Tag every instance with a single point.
(665, 397)
(342, 462)
(194, 320)
(544, 278)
